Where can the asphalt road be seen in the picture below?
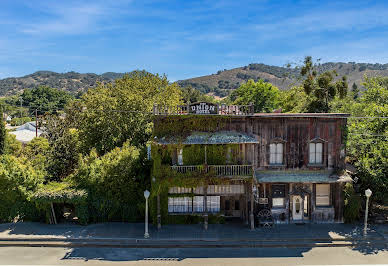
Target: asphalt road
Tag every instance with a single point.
(195, 256)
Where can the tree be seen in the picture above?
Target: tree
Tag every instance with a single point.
(191, 95)
(36, 152)
(294, 100)
(17, 180)
(2, 135)
(63, 154)
(367, 145)
(263, 95)
(355, 91)
(111, 114)
(321, 87)
(113, 183)
(45, 99)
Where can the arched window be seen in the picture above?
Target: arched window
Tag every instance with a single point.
(316, 151)
(276, 152)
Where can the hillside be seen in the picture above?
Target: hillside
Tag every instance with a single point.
(225, 80)
(71, 81)
(219, 84)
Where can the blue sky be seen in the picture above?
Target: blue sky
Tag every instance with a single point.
(185, 38)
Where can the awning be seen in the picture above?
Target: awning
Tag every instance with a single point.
(301, 176)
(223, 137)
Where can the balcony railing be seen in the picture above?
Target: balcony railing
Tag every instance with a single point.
(219, 170)
(222, 109)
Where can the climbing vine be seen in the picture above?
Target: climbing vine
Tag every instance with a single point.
(164, 177)
(183, 125)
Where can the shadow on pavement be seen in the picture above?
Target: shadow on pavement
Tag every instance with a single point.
(178, 254)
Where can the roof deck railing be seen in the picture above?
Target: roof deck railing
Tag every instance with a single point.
(219, 170)
(203, 108)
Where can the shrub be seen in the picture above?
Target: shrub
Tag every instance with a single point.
(352, 204)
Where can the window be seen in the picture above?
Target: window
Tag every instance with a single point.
(179, 190)
(213, 204)
(278, 194)
(180, 156)
(180, 204)
(225, 189)
(198, 204)
(316, 153)
(276, 153)
(237, 205)
(322, 195)
(227, 205)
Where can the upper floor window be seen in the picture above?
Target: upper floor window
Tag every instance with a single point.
(316, 153)
(276, 153)
(180, 156)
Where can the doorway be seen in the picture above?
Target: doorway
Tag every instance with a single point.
(297, 208)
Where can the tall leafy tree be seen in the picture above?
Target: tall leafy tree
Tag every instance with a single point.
(367, 139)
(45, 99)
(321, 87)
(263, 95)
(111, 114)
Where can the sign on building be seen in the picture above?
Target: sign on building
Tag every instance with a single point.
(203, 108)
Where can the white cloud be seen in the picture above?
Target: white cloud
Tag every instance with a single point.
(72, 18)
(325, 21)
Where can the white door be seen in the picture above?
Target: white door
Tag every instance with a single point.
(297, 208)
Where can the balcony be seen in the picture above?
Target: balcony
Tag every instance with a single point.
(219, 170)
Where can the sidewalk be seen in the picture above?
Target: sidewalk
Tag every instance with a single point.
(195, 232)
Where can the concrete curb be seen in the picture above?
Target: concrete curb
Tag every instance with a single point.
(191, 244)
(151, 240)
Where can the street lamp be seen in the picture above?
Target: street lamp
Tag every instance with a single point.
(368, 193)
(146, 196)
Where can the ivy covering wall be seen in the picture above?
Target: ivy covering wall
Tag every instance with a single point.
(185, 124)
(164, 177)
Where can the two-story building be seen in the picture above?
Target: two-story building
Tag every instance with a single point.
(212, 162)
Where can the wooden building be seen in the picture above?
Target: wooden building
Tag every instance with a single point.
(226, 161)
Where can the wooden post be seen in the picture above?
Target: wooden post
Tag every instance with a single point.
(252, 218)
(159, 217)
(205, 222)
(246, 203)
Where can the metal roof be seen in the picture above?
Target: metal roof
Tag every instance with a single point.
(222, 137)
(301, 176)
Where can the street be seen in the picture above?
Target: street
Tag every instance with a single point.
(192, 256)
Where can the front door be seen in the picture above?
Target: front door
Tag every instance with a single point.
(297, 208)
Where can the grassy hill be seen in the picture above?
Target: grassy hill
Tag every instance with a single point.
(225, 80)
(71, 81)
(219, 84)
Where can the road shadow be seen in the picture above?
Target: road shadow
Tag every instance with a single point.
(178, 254)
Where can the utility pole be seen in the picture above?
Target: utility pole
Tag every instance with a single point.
(36, 122)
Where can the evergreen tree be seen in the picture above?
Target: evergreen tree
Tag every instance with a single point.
(355, 91)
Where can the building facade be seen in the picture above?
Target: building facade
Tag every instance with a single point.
(217, 162)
